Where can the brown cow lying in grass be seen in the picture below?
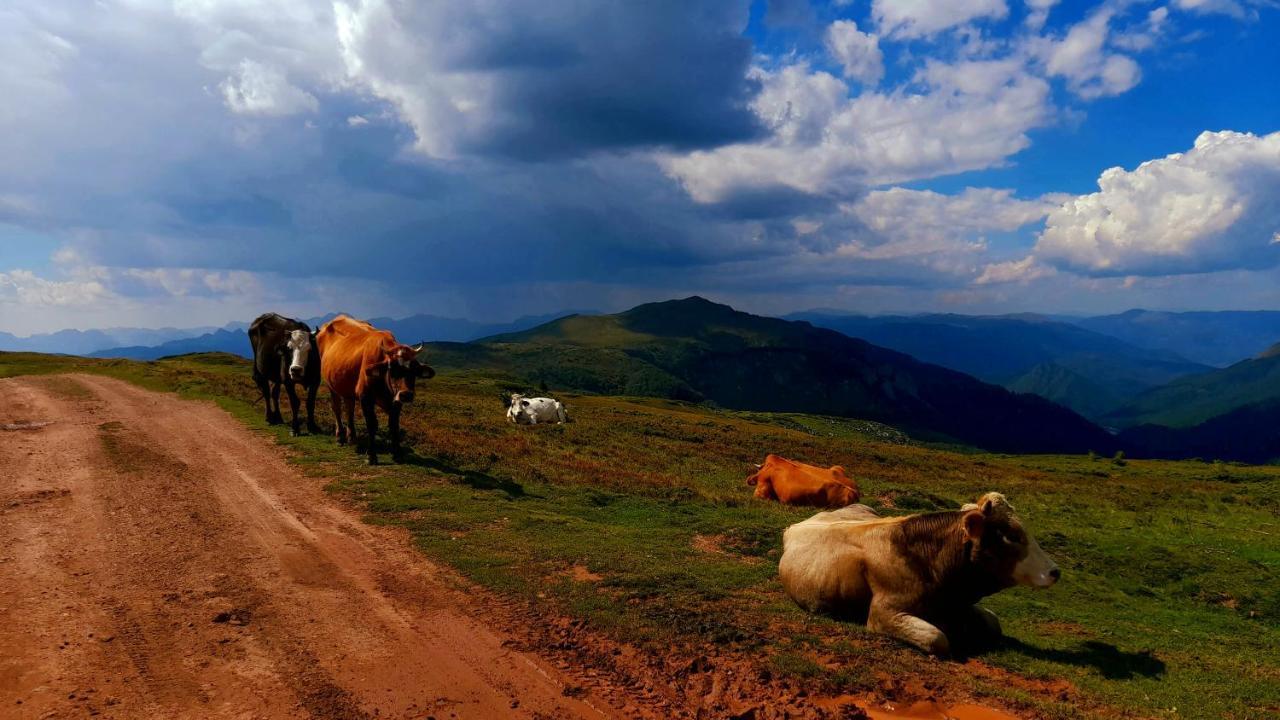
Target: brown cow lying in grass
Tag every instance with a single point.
(908, 575)
(795, 483)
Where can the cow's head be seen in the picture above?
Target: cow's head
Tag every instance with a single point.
(1003, 547)
(518, 410)
(401, 367)
(298, 348)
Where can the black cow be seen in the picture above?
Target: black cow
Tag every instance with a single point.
(285, 354)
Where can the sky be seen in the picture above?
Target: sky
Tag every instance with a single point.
(195, 162)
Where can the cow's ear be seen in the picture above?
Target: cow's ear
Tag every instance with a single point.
(974, 524)
(378, 369)
(426, 372)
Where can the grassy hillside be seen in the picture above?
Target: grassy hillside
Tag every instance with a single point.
(1193, 400)
(696, 350)
(634, 519)
(1086, 371)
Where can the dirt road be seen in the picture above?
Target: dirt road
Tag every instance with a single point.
(157, 559)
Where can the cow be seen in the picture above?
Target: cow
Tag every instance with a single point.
(531, 411)
(284, 356)
(911, 576)
(362, 364)
(795, 483)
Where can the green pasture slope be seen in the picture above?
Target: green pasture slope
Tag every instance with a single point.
(1169, 604)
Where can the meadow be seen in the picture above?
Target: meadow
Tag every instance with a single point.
(634, 519)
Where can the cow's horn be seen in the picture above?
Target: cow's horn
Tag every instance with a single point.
(419, 348)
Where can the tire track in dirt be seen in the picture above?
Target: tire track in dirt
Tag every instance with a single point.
(163, 561)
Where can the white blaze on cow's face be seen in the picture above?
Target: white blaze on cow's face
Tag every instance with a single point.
(1037, 569)
(299, 347)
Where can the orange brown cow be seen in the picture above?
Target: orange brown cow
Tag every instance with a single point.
(362, 364)
(795, 483)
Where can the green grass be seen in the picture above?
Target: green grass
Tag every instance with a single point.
(1170, 596)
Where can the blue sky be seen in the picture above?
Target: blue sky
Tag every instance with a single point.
(199, 161)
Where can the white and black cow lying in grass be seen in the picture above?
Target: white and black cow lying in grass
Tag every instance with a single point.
(284, 355)
(910, 576)
(532, 411)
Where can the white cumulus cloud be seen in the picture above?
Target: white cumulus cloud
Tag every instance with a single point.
(24, 287)
(858, 52)
(257, 89)
(971, 115)
(1213, 207)
(921, 18)
(1083, 60)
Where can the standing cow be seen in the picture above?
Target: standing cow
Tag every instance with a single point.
(911, 577)
(361, 364)
(283, 355)
(531, 411)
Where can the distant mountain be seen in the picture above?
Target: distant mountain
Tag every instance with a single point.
(84, 342)
(697, 350)
(1194, 400)
(413, 329)
(1213, 338)
(229, 341)
(1087, 371)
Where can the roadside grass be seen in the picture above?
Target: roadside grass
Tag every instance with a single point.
(635, 517)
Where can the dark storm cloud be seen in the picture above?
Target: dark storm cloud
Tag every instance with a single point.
(555, 81)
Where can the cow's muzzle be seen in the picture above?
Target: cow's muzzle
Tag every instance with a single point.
(296, 372)
(404, 396)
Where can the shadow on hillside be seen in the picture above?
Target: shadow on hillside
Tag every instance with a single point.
(472, 478)
(1107, 659)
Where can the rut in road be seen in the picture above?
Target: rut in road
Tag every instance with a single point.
(157, 559)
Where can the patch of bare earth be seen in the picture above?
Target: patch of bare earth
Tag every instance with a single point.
(166, 562)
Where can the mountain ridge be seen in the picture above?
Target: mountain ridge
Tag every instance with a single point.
(695, 349)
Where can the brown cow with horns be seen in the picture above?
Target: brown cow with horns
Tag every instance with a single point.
(360, 363)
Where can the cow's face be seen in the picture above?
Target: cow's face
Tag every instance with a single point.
(299, 348)
(518, 411)
(1003, 547)
(403, 369)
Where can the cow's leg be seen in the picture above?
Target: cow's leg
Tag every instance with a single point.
(393, 428)
(311, 410)
(908, 628)
(352, 435)
(261, 381)
(371, 427)
(982, 621)
(276, 417)
(764, 489)
(339, 432)
(295, 420)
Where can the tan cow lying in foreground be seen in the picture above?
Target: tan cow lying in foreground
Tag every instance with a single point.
(795, 483)
(908, 575)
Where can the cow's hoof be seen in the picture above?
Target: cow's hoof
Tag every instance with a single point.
(371, 460)
(313, 429)
(293, 432)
